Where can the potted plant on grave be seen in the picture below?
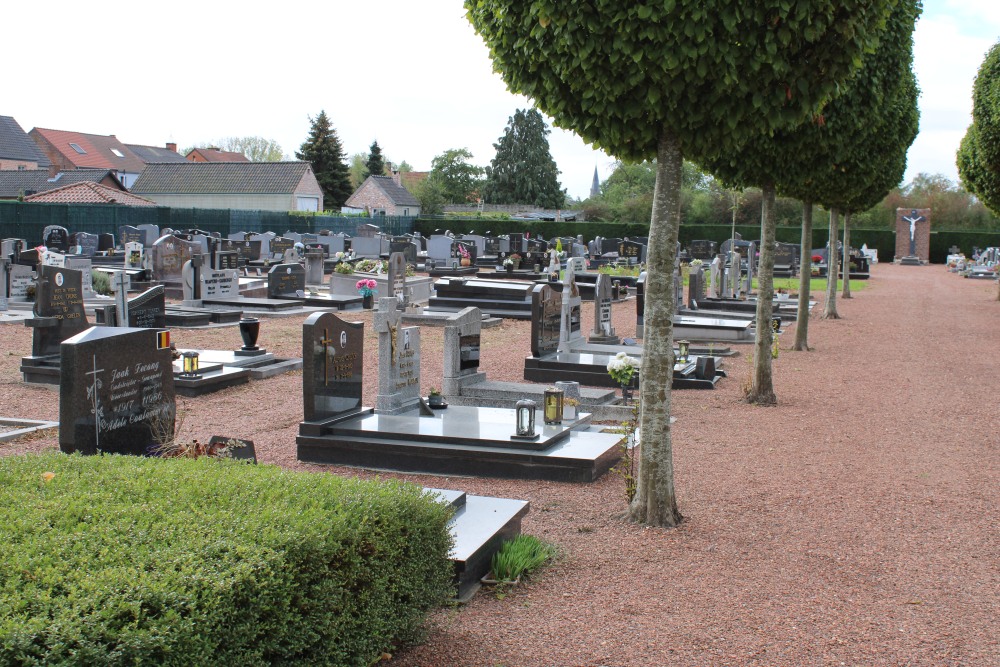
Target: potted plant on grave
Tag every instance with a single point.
(515, 261)
(509, 265)
(435, 399)
(367, 288)
(622, 369)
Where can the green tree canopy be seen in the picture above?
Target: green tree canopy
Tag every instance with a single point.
(673, 79)
(523, 171)
(979, 154)
(323, 151)
(454, 178)
(256, 149)
(376, 163)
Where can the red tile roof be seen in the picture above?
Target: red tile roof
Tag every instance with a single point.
(88, 193)
(215, 155)
(97, 150)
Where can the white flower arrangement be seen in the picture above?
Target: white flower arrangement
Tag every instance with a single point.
(695, 263)
(622, 367)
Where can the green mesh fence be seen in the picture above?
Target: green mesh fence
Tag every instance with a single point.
(27, 220)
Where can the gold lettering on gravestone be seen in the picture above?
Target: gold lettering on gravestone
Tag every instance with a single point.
(343, 367)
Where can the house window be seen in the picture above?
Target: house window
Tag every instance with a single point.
(77, 148)
(406, 212)
(117, 152)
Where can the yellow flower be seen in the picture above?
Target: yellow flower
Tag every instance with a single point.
(47, 476)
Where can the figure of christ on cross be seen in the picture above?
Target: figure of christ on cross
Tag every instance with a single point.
(95, 402)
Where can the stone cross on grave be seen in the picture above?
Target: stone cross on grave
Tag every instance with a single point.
(398, 360)
(95, 401)
(120, 282)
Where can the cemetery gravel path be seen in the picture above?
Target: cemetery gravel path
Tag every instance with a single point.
(853, 524)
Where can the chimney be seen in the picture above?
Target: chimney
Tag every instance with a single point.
(171, 146)
(396, 178)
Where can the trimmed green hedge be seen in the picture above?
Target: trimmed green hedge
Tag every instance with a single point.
(120, 560)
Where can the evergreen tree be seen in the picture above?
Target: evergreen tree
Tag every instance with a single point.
(323, 151)
(376, 163)
(523, 171)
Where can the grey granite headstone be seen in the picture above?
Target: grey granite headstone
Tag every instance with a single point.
(314, 267)
(285, 280)
(150, 234)
(332, 366)
(224, 284)
(546, 317)
(169, 256)
(603, 331)
(59, 312)
(84, 265)
(116, 392)
(462, 351)
(21, 277)
(570, 330)
(397, 278)
(398, 360)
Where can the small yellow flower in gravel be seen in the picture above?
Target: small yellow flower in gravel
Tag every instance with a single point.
(47, 476)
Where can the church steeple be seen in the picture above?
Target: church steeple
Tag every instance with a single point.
(595, 188)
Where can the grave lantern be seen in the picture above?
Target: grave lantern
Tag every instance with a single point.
(683, 347)
(553, 406)
(190, 365)
(524, 414)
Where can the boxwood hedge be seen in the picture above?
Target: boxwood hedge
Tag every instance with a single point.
(118, 560)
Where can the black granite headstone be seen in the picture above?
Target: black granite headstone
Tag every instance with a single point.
(59, 311)
(130, 234)
(332, 366)
(631, 251)
(285, 280)
(279, 245)
(55, 238)
(88, 243)
(116, 392)
(546, 320)
(640, 304)
(148, 310)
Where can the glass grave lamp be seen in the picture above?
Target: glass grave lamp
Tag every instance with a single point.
(553, 406)
(524, 415)
(683, 347)
(190, 365)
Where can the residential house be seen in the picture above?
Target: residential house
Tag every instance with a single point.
(86, 192)
(149, 154)
(214, 154)
(16, 184)
(265, 186)
(17, 150)
(77, 150)
(383, 195)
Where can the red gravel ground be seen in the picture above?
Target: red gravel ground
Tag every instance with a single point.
(853, 524)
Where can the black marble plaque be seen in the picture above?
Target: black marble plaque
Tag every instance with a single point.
(285, 280)
(468, 350)
(280, 244)
(703, 250)
(226, 260)
(130, 234)
(332, 366)
(88, 243)
(630, 250)
(116, 392)
(148, 310)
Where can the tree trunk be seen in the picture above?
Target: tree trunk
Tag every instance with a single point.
(846, 292)
(655, 502)
(832, 262)
(805, 278)
(762, 387)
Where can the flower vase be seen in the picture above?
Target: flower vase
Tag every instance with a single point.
(628, 390)
(249, 330)
(465, 261)
(367, 301)
(510, 268)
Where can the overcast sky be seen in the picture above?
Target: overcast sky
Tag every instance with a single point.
(412, 75)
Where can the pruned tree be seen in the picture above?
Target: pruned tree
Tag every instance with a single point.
(523, 171)
(668, 80)
(256, 149)
(322, 149)
(979, 154)
(376, 163)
